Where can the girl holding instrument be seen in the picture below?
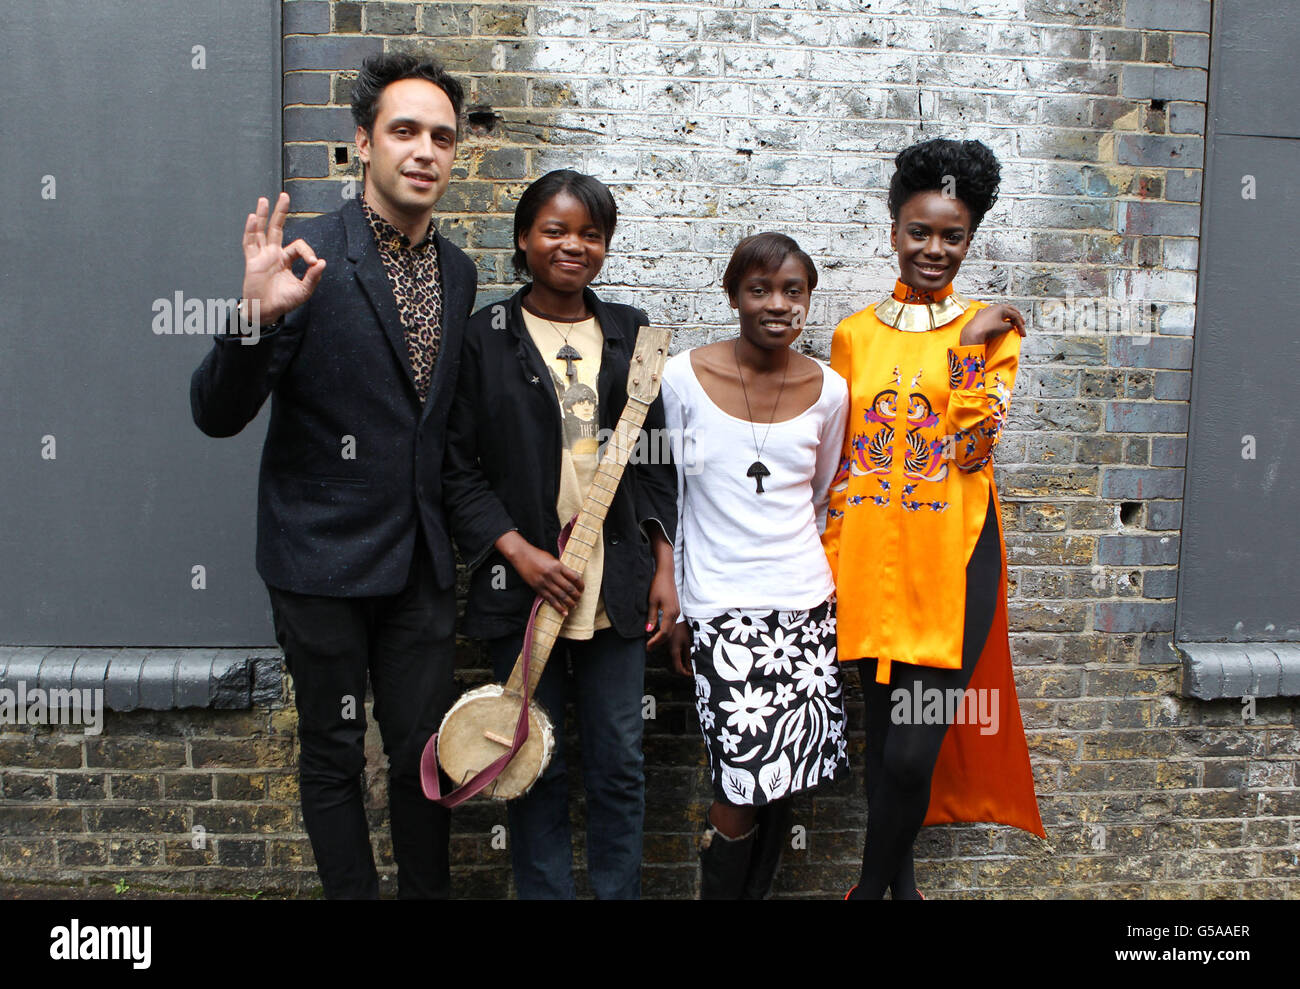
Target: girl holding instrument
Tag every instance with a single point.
(913, 532)
(759, 428)
(542, 375)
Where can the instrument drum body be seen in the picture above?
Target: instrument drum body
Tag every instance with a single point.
(479, 729)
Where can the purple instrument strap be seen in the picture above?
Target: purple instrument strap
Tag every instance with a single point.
(429, 781)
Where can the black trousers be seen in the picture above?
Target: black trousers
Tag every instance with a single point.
(900, 758)
(405, 643)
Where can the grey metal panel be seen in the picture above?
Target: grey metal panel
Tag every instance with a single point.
(156, 165)
(158, 681)
(56, 670)
(1288, 657)
(1240, 574)
(1254, 76)
(1216, 670)
(122, 682)
(92, 668)
(7, 653)
(194, 679)
(23, 668)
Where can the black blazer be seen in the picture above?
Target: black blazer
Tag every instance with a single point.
(337, 367)
(504, 448)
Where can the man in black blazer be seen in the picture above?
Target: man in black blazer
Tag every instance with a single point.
(358, 352)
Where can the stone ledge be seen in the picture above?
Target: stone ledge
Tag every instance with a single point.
(1214, 670)
(150, 679)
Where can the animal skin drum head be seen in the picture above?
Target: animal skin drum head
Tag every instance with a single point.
(460, 729)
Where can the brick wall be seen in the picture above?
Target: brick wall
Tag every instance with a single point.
(711, 121)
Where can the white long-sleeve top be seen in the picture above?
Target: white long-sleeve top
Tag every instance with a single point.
(737, 548)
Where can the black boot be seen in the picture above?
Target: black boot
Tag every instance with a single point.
(773, 831)
(724, 863)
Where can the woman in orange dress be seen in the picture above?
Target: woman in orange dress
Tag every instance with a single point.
(913, 533)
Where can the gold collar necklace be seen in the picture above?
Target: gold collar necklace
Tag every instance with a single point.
(913, 311)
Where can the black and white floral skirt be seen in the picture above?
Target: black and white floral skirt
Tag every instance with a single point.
(770, 698)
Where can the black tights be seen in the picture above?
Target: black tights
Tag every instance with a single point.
(900, 758)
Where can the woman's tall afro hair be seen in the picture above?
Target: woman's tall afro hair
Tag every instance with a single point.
(925, 166)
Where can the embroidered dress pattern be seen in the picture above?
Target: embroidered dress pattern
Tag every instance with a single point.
(914, 477)
(898, 539)
(770, 699)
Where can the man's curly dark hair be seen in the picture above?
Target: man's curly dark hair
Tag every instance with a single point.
(380, 71)
(922, 167)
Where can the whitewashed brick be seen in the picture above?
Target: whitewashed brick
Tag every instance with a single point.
(671, 60)
(725, 168)
(764, 208)
(713, 121)
(802, 100)
(855, 172)
(659, 200)
(1181, 253)
(764, 63)
(678, 270)
(560, 22)
(667, 166)
(727, 25)
(1179, 319)
(717, 238)
(732, 98)
(612, 164)
(655, 235)
(999, 9)
(672, 25)
(586, 57)
(1153, 286)
(789, 28)
(615, 22)
(663, 96)
(877, 33)
(841, 66)
(615, 94)
(1022, 111)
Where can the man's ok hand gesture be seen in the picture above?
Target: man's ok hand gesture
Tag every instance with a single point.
(268, 265)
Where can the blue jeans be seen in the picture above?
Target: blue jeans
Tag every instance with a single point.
(607, 683)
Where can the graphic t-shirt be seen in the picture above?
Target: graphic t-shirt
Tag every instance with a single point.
(579, 408)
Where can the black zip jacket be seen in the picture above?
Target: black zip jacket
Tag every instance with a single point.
(502, 467)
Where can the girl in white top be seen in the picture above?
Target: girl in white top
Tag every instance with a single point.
(757, 431)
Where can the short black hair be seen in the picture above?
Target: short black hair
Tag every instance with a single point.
(974, 170)
(591, 192)
(381, 71)
(766, 252)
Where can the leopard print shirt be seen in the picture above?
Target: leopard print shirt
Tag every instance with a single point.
(417, 286)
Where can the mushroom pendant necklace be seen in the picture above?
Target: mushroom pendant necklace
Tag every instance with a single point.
(567, 353)
(758, 470)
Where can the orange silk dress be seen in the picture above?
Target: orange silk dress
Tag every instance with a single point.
(906, 509)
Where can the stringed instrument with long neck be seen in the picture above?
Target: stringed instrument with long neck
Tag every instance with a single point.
(496, 738)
